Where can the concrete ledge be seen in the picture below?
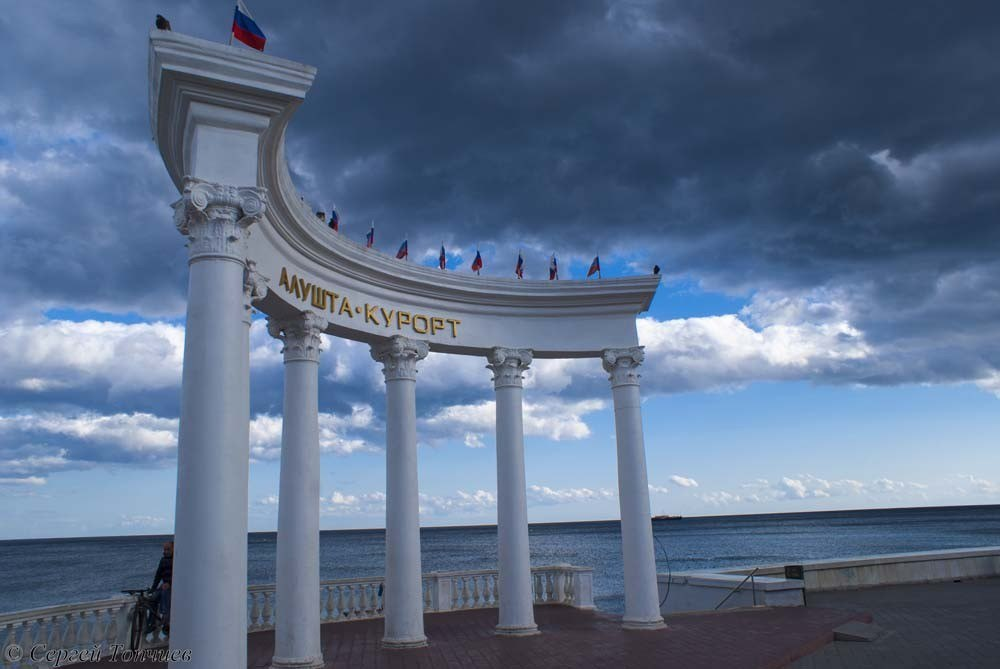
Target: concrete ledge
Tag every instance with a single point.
(704, 590)
(893, 568)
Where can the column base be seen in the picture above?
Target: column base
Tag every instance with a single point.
(403, 644)
(296, 663)
(655, 624)
(510, 630)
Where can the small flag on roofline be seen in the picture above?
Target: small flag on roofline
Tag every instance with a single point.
(245, 29)
(442, 259)
(519, 269)
(404, 251)
(334, 220)
(595, 267)
(553, 269)
(477, 263)
(370, 237)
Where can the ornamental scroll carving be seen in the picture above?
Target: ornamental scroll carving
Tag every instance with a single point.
(216, 218)
(508, 366)
(399, 356)
(254, 288)
(622, 365)
(300, 335)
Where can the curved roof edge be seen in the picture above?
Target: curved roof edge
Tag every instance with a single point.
(186, 70)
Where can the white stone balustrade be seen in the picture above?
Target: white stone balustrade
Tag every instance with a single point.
(105, 623)
(359, 598)
(82, 626)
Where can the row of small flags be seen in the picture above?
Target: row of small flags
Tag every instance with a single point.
(477, 263)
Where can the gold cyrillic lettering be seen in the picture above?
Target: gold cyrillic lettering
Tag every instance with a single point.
(370, 314)
(436, 324)
(454, 326)
(403, 318)
(345, 307)
(319, 298)
(283, 281)
(306, 287)
(387, 316)
(416, 319)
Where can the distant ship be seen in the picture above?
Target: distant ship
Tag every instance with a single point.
(666, 517)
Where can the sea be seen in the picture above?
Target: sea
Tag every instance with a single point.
(43, 572)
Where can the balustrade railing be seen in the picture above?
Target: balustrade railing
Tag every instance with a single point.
(90, 628)
(83, 631)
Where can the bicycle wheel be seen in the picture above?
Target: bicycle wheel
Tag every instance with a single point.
(137, 631)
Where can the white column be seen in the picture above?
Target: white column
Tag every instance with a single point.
(296, 635)
(517, 615)
(403, 597)
(209, 607)
(642, 606)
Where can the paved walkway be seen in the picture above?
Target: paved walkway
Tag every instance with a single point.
(747, 638)
(932, 625)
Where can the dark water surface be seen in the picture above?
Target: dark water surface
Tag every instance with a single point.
(43, 572)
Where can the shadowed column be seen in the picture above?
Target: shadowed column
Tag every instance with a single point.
(517, 615)
(296, 636)
(642, 606)
(403, 596)
(209, 601)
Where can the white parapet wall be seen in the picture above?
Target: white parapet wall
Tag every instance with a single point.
(704, 590)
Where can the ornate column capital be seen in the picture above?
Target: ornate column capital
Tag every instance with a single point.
(300, 335)
(216, 218)
(399, 356)
(622, 365)
(508, 365)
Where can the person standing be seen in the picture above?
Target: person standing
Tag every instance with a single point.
(162, 582)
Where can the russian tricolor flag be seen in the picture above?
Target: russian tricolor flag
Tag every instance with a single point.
(442, 259)
(477, 262)
(595, 268)
(553, 269)
(404, 250)
(245, 28)
(519, 269)
(370, 237)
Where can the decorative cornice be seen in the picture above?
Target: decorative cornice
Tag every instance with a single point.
(300, 335)
(622, 365)
(254, 288)
(399, 356)
(508, 365)
(216, 218)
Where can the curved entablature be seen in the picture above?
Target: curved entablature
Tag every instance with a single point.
(219, 113)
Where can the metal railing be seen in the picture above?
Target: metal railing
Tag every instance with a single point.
(753, 585)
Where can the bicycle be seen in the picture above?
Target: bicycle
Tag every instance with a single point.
(145, 618)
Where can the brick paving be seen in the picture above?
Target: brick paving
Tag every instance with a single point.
(747, 638)
(932, 625)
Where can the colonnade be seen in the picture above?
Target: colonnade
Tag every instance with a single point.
(209, 605)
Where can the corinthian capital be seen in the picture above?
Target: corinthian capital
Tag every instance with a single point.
(216, 218)
(399, 356)
(299, 334)
(622, 365)
(508, 365)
